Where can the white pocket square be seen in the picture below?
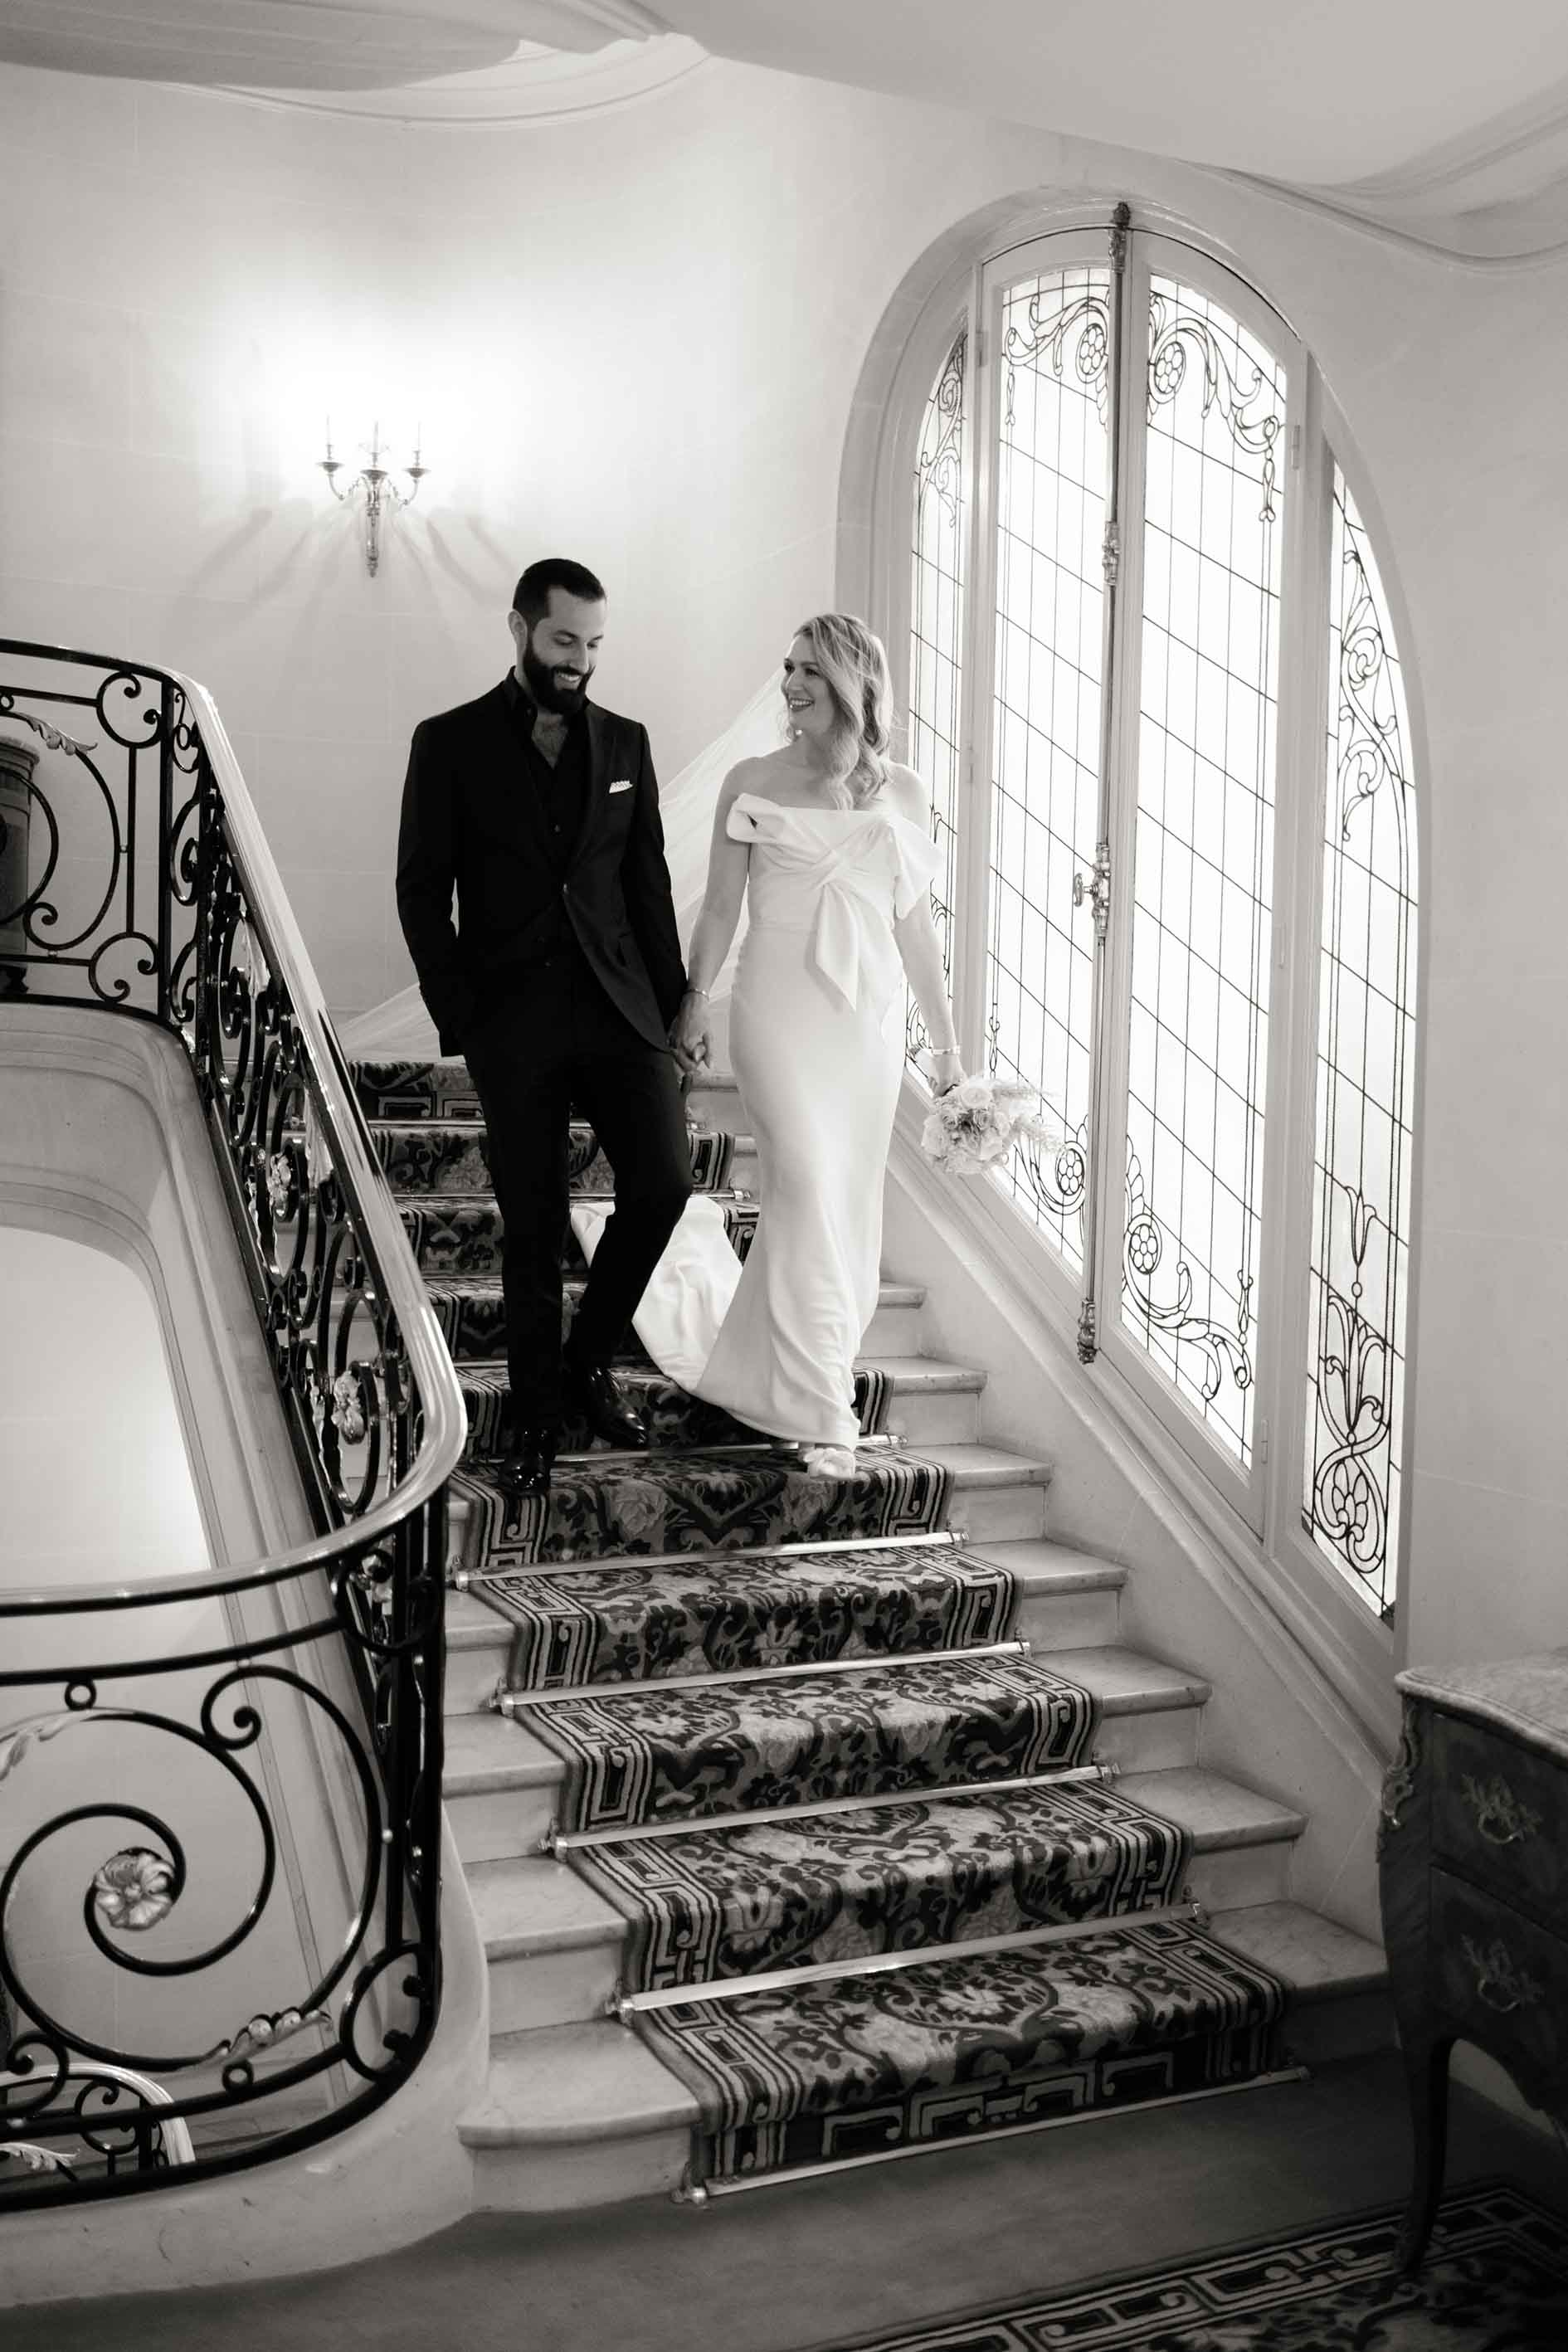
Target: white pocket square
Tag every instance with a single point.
(624, 785)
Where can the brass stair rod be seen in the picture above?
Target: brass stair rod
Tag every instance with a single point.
(627, 2006)
(511, 1702)
(944, 1538)
(559, 1842)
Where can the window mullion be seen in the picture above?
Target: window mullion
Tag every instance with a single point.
(1292, 1105)
(972, 807)
(1118, 777)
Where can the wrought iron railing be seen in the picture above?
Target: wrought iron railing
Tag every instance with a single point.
(272, 1728)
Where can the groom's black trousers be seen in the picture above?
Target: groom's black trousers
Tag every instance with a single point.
(551, 1043)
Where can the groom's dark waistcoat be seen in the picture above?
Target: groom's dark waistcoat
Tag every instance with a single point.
(480, 814)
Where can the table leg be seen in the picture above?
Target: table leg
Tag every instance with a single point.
(1426, 2081)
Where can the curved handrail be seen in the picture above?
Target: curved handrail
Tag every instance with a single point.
(441, 1398)
(135, 877)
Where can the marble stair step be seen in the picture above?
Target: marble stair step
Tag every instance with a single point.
(571, 2116)
(1339, 1981)
(1241, 1841)
(932, 1401)
(665, 1410)
(1067, 1599)
(574, 2116)
(895, 1328)
(479, 1643)
(712, 1095)
(501, 1788)
(995, 1493)
(503, 1785)
(422, 1156)
(607, 1505)
(554, 1945)
(454, 1233)
(469, 1308)
(405, 1087)
(1149, 1713)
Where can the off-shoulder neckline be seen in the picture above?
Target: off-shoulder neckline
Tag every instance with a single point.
(801, 808)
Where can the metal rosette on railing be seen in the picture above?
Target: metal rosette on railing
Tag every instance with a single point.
(219, 1890)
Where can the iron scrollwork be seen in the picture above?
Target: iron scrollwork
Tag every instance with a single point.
(137, 893)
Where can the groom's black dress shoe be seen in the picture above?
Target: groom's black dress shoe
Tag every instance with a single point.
(592, 1396)
(526, 1469)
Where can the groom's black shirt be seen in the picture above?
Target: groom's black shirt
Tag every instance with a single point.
(537, 857)
(560, 783)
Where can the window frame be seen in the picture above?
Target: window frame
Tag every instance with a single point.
(1266, 1540)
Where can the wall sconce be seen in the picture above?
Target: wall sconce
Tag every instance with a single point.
(374, 484)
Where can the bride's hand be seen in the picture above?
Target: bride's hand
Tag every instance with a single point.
(690, 1037)
(946, 1071)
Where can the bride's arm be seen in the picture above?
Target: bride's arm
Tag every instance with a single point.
(712, 932)
(920, 948)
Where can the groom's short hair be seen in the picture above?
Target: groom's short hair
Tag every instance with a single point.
(531, 597)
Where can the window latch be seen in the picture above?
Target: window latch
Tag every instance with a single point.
(1095, 886)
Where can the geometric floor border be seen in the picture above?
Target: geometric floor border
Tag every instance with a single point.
(1495, 2280)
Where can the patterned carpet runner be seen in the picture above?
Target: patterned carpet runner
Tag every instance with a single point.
(740, 1898)
(694, 1501)
(802, 1758)
(657, 1754)
(627, 1623)
(800, 2074)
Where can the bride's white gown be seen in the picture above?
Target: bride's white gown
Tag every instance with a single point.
(816, 1039)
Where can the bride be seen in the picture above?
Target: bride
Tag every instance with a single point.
(829, 843)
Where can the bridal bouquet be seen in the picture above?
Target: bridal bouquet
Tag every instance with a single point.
(979, 1120)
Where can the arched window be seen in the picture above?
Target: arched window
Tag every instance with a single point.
(1140, 593)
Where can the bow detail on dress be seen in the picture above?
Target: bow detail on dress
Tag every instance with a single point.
(842, 891)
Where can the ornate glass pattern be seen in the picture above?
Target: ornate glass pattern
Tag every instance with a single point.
(1365, 1080)
(1203, 855)
(936, 635)
(1052, 467)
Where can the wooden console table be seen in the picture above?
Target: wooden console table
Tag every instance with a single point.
(1473, 1860)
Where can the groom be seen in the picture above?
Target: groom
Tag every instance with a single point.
(558, 985)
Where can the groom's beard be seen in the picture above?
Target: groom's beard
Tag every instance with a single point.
(547, 695)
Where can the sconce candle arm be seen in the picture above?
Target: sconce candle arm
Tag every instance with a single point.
(373, 484)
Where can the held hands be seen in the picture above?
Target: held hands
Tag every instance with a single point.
(691, 1034)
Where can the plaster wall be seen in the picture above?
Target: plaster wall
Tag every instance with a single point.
(640, 335)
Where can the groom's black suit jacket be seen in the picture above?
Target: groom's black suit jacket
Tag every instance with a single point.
(474, 822)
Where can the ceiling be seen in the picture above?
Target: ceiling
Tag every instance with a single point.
(304, 45)
(1404, 108)
(1335, 92)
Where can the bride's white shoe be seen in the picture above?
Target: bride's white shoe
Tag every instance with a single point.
(830, 1461)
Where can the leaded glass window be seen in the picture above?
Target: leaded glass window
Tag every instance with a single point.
(1045, 739)
(1130, 903)
(936, 634)
(1204, 854)
(1366, 1081)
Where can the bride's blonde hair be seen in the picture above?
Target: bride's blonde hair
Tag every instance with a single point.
(853, 662)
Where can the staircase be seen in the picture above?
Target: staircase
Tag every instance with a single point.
(802, 1831)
